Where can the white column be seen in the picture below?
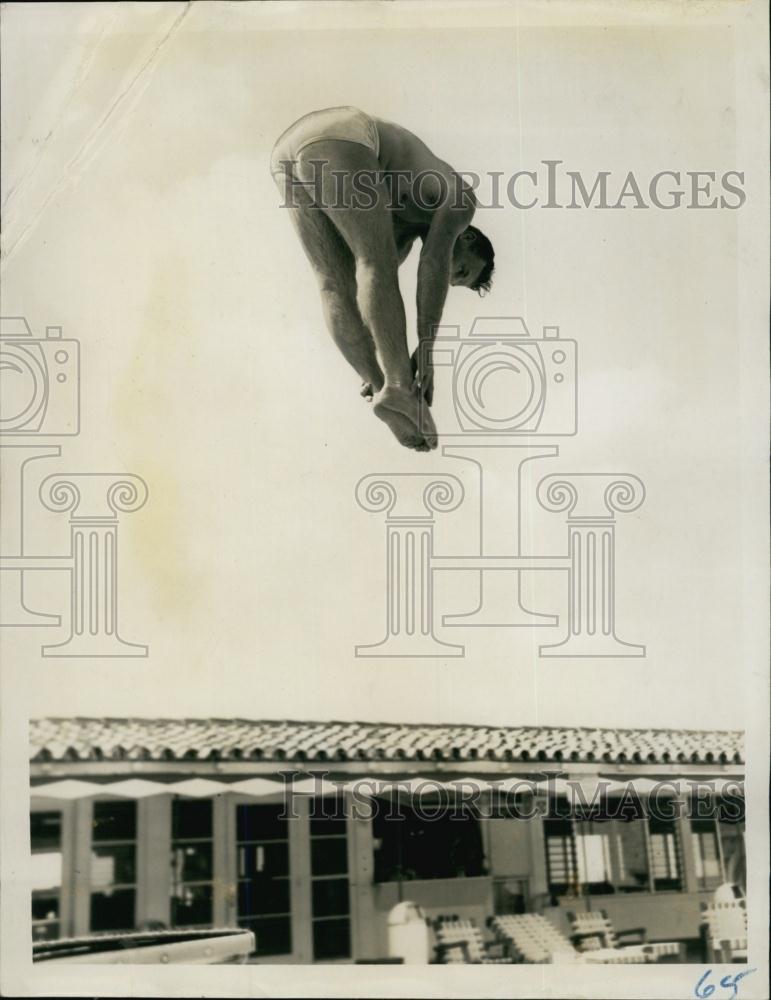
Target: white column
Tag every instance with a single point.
(591, 501)
(95, 500)
(410, 502)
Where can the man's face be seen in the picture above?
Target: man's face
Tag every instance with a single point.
(467, 265)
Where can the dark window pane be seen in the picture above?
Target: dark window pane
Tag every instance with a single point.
(115, 821)
(273, 935)
(560, 808)
(509, 896)
(112, 911)
(331, 939)
(45, 907)
(330, 897)
(657, 824)
(191, 904)
(45, 829)
(732, 839)
(192, 862)
(665, 854)
(632, 850)
(417, 847)
(191, 819)
(329, 857)
(558, 827)
(113, 866)
(327, 816)
(263, 895)
(261, 822)
(706, 853)
(730, 808)
(270, 859)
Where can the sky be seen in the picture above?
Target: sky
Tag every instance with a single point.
(141, 217)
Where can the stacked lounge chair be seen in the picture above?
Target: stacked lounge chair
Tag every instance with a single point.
(532, 938)
(593, 931)
(460, 941)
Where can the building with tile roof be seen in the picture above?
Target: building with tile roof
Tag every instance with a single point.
(252, 741)
(287, 827)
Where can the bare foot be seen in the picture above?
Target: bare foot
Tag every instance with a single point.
(407, 404)
(403, 430)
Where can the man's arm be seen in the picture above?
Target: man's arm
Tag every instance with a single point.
(433, 283)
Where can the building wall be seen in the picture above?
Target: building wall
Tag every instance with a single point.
(514, 850)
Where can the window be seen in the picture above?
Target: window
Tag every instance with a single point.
(330, 903)
(561, 863)
(632, 873)
(731, 840)
(664, 850)
(410, 845)
(706, 853)
(113, 866)
(510, 896)
(600, 856)
(191, 860)
(593, 856)
(264, 905)
(718, 848)
(46, 871)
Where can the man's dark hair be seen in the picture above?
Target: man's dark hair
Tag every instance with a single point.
(484, 248)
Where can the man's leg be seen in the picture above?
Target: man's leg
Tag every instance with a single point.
(334, 267)
(328, 167)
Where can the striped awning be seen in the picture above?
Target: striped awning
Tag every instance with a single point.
(414, 787)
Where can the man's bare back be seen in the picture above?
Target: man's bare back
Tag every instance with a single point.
(361, 191)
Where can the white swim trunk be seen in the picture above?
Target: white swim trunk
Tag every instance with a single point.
(346, 124)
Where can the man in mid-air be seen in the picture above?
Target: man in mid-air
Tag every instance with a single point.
(360, 191)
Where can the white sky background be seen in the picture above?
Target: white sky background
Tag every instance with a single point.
(157, 240)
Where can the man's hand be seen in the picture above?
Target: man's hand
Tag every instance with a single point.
(423, 372)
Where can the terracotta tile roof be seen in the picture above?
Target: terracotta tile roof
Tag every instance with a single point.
(243, 739)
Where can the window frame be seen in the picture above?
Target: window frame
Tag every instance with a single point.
(43, 804)
(134, 886)
(584, 888)
(294, 877)
(403, 829)
(177, 881)
(315, 879)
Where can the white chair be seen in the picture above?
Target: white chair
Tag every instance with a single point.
(594, 930)
(534, 939)
(460, 942)
(725, 927)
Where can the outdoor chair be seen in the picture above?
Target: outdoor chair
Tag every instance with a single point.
(534, 939)
(460, 941)
(725, 928)
(593, 931)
